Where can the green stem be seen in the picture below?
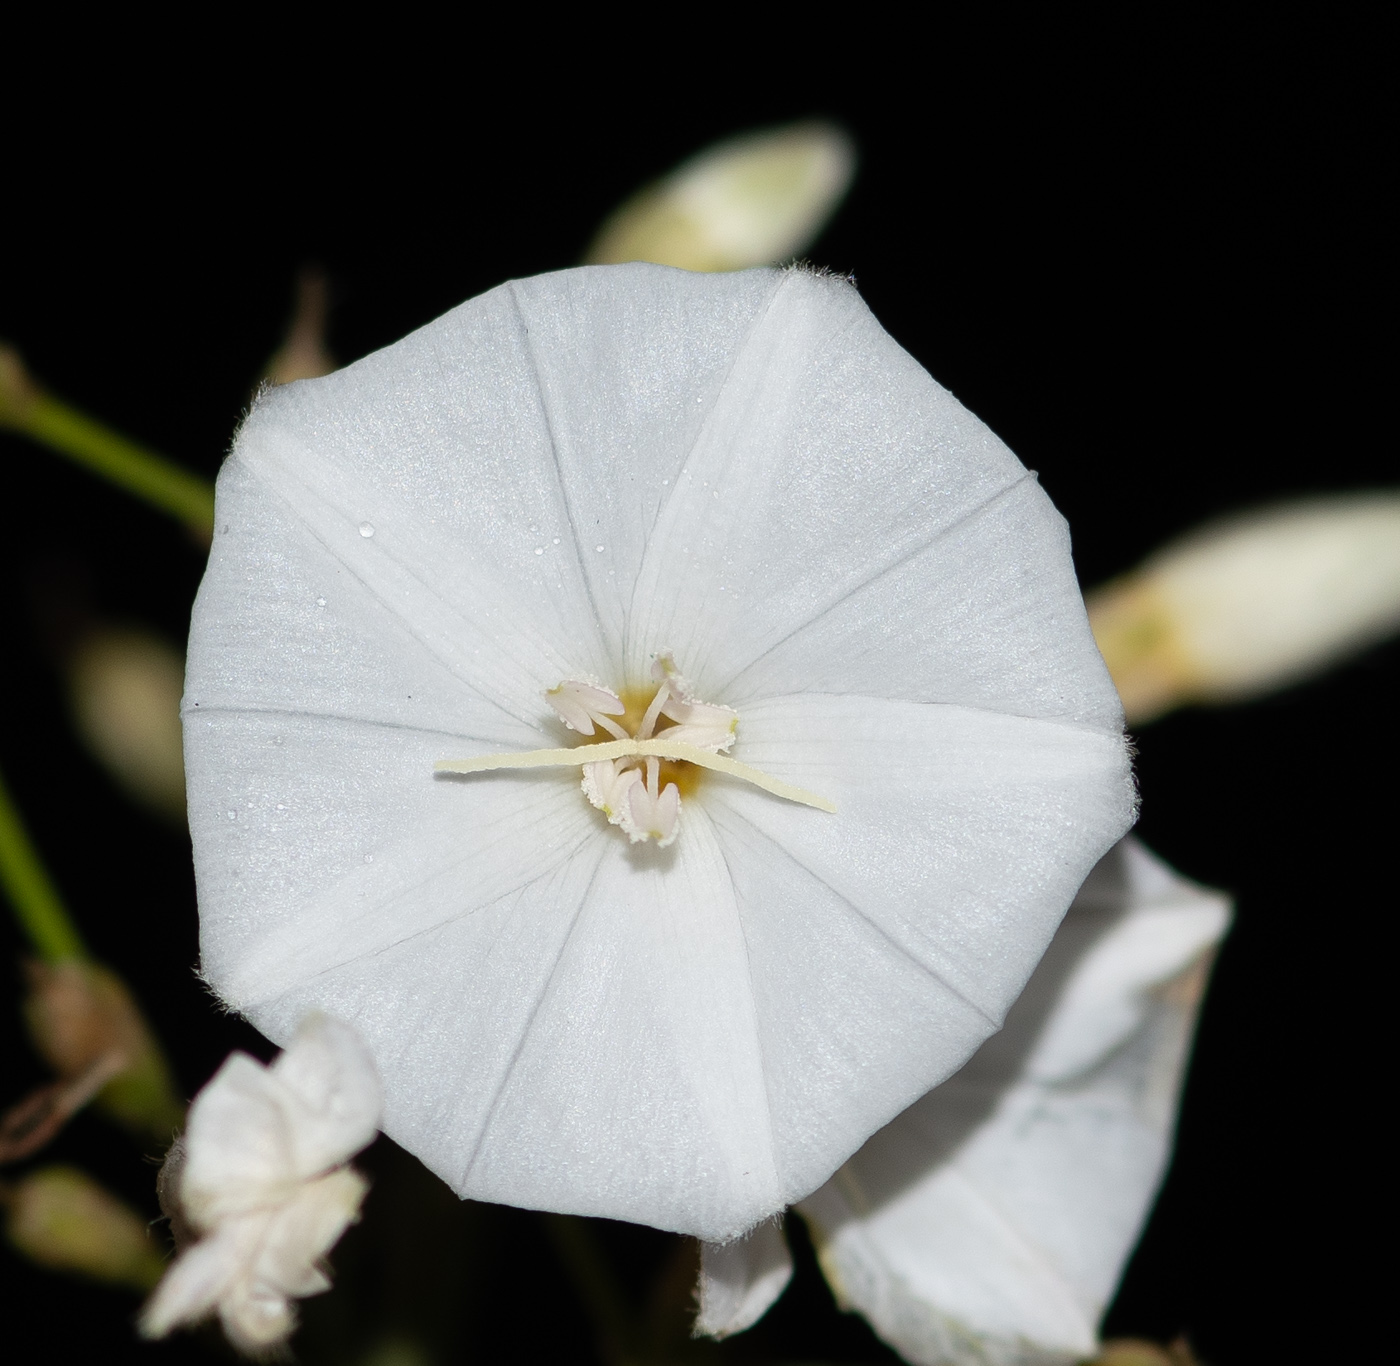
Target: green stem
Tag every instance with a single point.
(36, 902)
(132, 467)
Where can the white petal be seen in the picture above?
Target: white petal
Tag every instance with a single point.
(202, 1276)
(740, 1281)
(369, 849)
(887, 941)
(240, 1153)
(991, 1221)
(303, 1231)
(587, 1045)
(332, 1082)
(844, 525)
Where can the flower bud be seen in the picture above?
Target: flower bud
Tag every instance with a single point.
(126, 687)
(303, 353)
(751, 201)
(62, 1219)
(79, 1014)
(1250, 605)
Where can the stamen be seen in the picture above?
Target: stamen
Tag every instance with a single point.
(662, 748)
(580, 703)
(649, 720)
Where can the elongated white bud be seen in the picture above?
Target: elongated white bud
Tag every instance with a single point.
(1250, 605)
(752, 201)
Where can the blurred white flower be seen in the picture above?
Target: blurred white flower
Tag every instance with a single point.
(259, 1178)
(1251, 604)
(752, 201)
(526, 505)
(990, 1223)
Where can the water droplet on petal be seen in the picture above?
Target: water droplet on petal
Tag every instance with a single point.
(539, 550)
(320, 602)
(599, 549)
(366, 529)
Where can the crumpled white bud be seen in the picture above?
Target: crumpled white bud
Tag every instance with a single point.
(752, 201)
(259, 1177)
(1252, 604)
(989, 1224)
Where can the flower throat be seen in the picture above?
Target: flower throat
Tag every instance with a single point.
(660, 740)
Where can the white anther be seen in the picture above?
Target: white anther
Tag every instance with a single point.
(663, 670)
(706, 725)
(651, 814)
(581, 704)
(606, 785)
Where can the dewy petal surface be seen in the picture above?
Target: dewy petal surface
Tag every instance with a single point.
(407, 558)
(989, 1223)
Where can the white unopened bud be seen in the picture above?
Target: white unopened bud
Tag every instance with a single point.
(1246, 606)
(751, 201)
(126, 687)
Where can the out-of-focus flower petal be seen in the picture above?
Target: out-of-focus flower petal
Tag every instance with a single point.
(990, 1222)
(335, 1092)
(202, 1276)
(739, 1281)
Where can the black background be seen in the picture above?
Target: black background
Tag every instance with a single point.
(1150, 260)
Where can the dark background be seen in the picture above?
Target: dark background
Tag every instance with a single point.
(1151, 261)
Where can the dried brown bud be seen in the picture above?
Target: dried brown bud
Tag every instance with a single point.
(80, 1014)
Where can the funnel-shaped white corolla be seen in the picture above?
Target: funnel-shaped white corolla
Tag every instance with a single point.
(989, 1224)
(617, 502)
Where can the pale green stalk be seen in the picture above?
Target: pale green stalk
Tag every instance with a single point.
(37, 905)
(26, 408)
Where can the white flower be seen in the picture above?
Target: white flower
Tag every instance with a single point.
(1254, 603)
(566, 482)
(989, 1224)
(259, 1176)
